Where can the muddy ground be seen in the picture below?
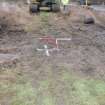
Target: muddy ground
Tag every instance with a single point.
(20, 63)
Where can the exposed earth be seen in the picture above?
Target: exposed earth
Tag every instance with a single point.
(74, 75)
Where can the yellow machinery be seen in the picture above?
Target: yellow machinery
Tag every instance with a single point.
(52, 5)
(85, 2)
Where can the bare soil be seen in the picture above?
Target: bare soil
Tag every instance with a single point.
(19, 33)
(84, 53)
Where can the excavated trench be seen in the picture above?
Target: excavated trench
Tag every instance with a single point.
(77, 68)
(18, 44)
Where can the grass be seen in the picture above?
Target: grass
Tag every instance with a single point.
(25, 95)
(65, 89)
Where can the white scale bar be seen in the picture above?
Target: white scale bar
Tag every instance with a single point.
(46, 50)
(68, 39)
(65, 39)
(46, 47)
(51, 49)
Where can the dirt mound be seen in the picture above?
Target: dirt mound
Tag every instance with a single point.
(79, 13)
(12, 19)
(13, 14)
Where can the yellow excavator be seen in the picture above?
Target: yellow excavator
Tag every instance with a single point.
(36, 5)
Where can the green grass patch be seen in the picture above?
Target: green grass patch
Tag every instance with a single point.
(87, 91)
(62, 88)
(24, 95)
(19, 94)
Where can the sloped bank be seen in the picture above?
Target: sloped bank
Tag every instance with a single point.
(99, 12)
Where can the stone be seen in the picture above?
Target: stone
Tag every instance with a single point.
(89, 20)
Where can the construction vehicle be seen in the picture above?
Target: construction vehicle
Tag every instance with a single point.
(36, 5)
(84, 2)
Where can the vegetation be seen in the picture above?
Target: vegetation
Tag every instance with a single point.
(64, 89)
